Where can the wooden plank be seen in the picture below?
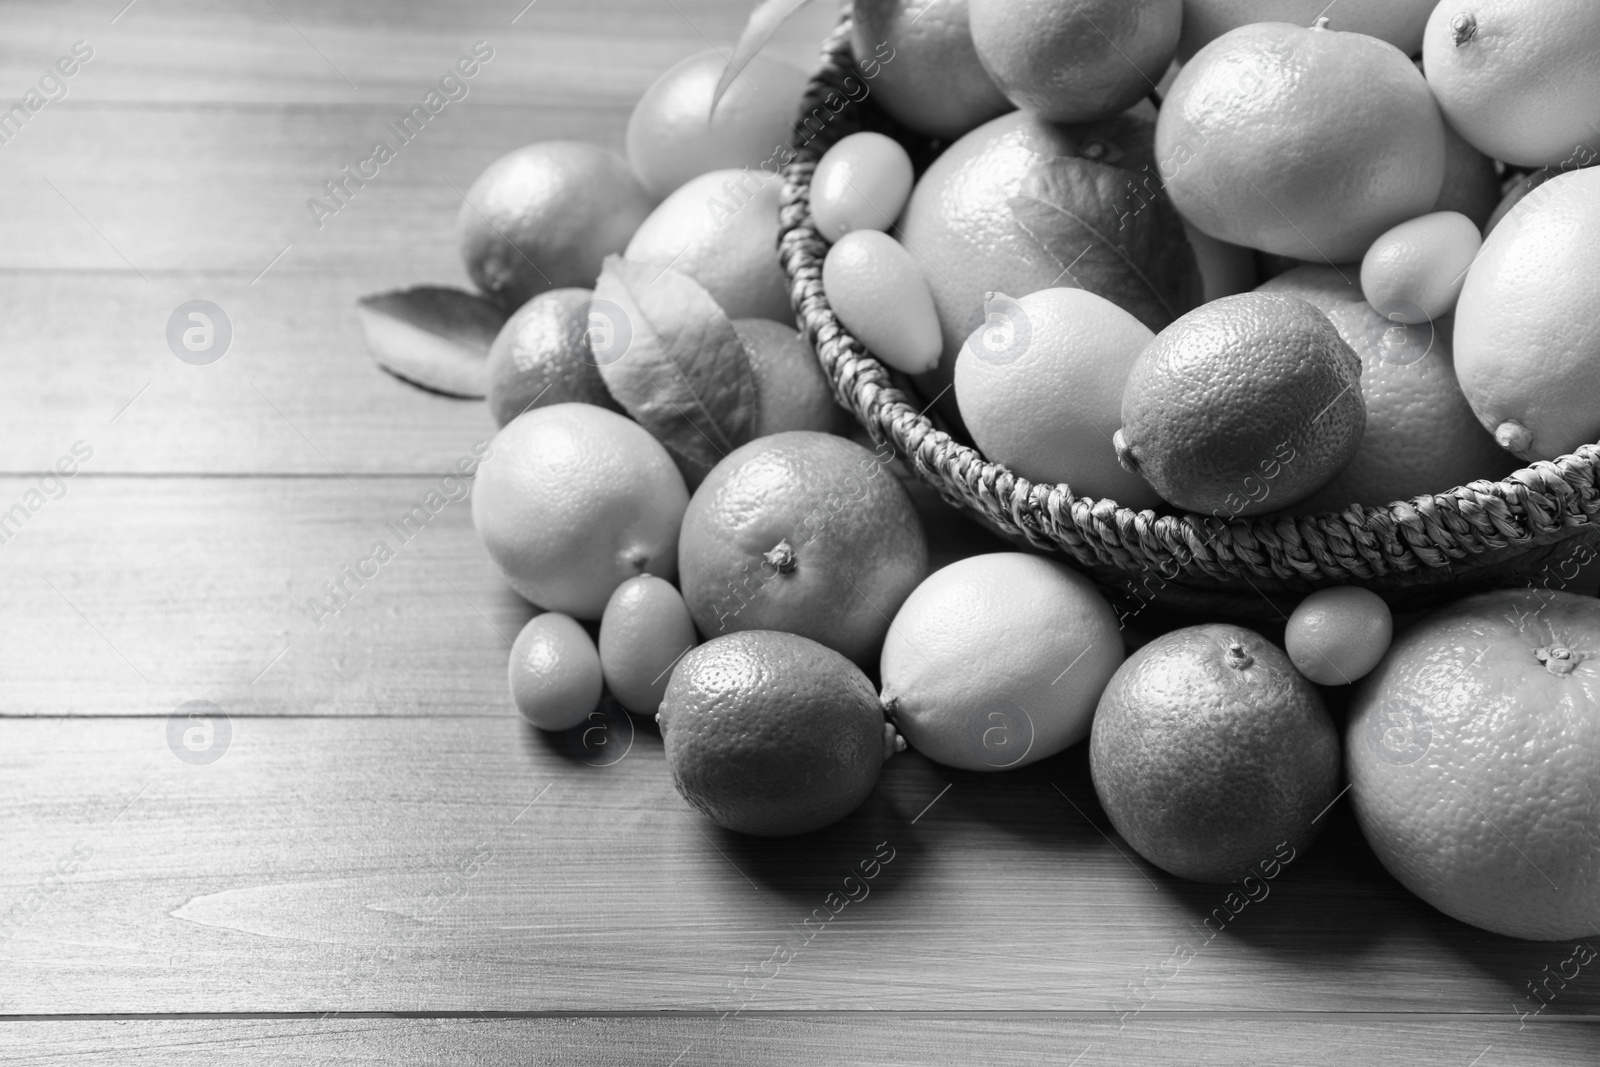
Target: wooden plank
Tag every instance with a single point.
(469, 865)
(578, 52)
(220, 181)
(137, 241)
(296, 393)
(131, 596)
(162, 207)
(866, 1039)
(128, 596)
(216, 175)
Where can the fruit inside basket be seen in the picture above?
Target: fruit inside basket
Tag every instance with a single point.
(1275, 437)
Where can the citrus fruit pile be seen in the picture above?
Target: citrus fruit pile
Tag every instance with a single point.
(1233, 257)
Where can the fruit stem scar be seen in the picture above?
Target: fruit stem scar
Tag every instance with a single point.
(1125, 457)
(1321, 22)
(1464, 27)
(1513, 436)
(1237, 658)
(782, 556)
(892, 741)
(1558, 659)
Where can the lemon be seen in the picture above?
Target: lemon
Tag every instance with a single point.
(544, 216)
(1519, 78)
(1212, 755)
(997, 660)
(673, 135)
(772, 734)
(1040, 390)
(721, 229)
(1527, 333)
(573, 501)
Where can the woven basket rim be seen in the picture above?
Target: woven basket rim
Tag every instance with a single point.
(1544, 502)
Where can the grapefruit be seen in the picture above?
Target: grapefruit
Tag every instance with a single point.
(1474, 762)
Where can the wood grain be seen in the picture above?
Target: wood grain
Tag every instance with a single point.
(867, 1039)
(475, 865)
(297, 392)
(381, 833)
(131, 596)
(568, 53)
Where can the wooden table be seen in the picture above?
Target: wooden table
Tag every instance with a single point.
(386, 864)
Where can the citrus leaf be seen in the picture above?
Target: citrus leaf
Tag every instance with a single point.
(432, 337)
(1112, 237)
(764, 22)
(671, 358)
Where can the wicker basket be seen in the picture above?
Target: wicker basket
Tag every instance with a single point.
(1533, 527)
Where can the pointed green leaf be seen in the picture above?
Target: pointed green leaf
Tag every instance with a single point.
(1112, 236)
(671, 358)
(764, 22)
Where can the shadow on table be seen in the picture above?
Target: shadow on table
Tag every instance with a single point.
(871, 852)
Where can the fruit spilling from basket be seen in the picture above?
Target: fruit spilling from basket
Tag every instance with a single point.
(1187, 266)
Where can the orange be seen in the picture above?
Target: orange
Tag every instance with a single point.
(1337, 636)
(541, 356)
(721, 229)
(997, 660)
(1245, 405)
(792, 393)
(1413, 273)
(1471, 185)
(772, 734)
(1225, 269)
(645, 630)
(1301, 142)
(1527, 332)
(805, 533)
(1474, 760)
(959, 227)
(1212, 755)
(1075, 60)
(554, 672)
(1421, 436)
(674, 136)
(1040, 390)
(1400, 22)
(573, 501)
(861, 183)
(1519, 78)
(877, 289)
(544, 216)
(919, 64)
